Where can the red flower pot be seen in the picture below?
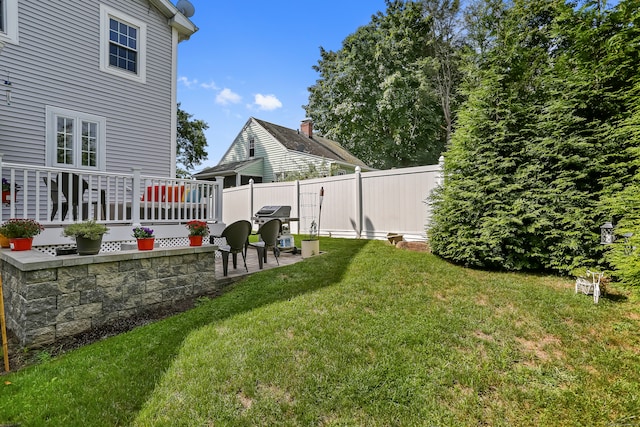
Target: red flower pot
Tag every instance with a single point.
(6, 197)
(195, 240)
(21, 243)
(146, 244)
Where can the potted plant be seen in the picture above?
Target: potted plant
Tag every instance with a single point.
(20, 232)
(145, 237)
(6, 191)
(311, 244)
(197, 231)
(88, 236)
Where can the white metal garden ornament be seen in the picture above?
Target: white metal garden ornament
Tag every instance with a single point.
(590, 284)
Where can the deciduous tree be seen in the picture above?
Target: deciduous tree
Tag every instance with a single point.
(191, 143)
(376, 95)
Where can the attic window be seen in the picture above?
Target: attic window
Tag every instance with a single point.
(122, 44)
(252, 147)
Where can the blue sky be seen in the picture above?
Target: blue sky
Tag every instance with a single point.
(255, 58)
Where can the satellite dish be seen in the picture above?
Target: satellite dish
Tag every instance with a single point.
(186, 8)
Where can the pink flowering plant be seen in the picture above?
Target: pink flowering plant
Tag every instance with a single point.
(142, 233)
(198, 228)
(16, 228)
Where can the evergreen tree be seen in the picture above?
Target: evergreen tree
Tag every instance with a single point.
(621, 188)
(523, 177)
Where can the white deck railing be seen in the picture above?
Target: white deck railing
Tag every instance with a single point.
(54, 196)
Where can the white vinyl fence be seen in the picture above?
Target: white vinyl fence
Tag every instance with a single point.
(362, 205)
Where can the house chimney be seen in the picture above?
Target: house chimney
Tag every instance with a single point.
(307, 127)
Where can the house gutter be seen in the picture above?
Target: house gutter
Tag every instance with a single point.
(177, 20)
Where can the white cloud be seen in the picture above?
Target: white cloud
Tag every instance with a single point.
(210, 85)
(267, 102)
(227, 96)
(188, 83)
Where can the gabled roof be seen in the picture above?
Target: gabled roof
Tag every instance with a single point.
(295, 140)
(227, 168)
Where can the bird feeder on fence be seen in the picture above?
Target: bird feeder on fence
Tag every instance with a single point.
(606, 234)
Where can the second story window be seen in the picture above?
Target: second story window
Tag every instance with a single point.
(75, 139)
(122, 44)
(252, 147)
(9, 21)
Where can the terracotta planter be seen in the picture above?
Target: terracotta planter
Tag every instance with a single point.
(195, 240)
(146, 244)
(21, 243)
(4, 242)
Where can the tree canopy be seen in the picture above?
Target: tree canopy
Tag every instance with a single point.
(377, 94)
(191, 143)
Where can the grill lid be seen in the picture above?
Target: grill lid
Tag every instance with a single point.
(274, 211)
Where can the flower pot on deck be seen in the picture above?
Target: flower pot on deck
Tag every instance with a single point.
(88, 246)
(195, 240)
(146, 244)
(21, 243)
(4, 241)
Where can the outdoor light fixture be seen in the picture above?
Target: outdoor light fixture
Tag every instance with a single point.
(606, 234)
(7, 88)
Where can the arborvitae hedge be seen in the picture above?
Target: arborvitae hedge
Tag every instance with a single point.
(530, 164)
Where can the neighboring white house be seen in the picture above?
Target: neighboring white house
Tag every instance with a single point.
(89, 84)
(266, 152)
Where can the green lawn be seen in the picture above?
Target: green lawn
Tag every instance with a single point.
(364, 335)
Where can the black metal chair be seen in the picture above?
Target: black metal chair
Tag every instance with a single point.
(75, 196)
(237, 237)
(268, 232)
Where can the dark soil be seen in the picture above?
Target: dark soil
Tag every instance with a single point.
(20, 357)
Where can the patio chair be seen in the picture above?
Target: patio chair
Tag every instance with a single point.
(237, 237)
(54, 188)
(268, 232)
(53, 193)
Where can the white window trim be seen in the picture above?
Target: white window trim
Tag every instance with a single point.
(106, 13)
(10, 34)
(52, 113)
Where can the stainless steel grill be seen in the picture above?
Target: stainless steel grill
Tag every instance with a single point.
(267, 213)
(285, 240)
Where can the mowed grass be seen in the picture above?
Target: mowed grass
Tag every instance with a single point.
(363, 335)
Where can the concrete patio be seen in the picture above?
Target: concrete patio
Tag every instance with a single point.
(286, 258)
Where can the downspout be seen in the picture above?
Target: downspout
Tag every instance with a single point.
(174, 100)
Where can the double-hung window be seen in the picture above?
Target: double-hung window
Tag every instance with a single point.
(75, 139)
(122, 44)
(8, 21)
(252, 147)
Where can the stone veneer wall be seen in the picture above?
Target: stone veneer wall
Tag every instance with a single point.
(49, 298)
